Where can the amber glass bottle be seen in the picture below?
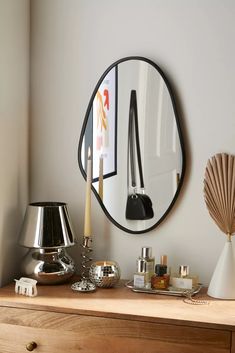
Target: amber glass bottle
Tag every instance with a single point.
(161, 279)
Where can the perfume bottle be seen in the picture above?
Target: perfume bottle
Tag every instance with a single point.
(184, 280)
(161, 279)
(146, 255)
(141, 277)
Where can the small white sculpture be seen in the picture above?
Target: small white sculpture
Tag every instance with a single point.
(26, 286)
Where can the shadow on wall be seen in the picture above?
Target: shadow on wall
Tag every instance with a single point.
(10, 252)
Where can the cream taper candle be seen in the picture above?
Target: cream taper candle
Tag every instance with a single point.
(87, 222)
(101, 177)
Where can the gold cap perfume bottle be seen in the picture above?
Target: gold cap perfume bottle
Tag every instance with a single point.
(184, 270)
(184, 280)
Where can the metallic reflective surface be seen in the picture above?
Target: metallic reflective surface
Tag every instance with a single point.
(48, 266)
(31, 346)
(104, 274)
(47, 225)
(85, 284)
(105, 131)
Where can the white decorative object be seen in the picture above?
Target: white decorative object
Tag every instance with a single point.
(222, 284)
(26, 286)
(219, 193)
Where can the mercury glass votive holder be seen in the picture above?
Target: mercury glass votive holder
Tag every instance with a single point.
(104, 274)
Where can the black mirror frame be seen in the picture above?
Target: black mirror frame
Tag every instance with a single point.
(180, 139)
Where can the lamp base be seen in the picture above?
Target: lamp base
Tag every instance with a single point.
(48, 266)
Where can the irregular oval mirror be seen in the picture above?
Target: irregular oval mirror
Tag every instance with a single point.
(132, 130)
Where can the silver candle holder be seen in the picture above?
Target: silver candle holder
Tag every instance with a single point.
(85, 284)
(105, 274)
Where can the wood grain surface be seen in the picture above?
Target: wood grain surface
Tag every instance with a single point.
(59, 332)
(233, 343)
(113, 321)
(122, 303)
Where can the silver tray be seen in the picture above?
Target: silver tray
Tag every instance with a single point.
(170, 291)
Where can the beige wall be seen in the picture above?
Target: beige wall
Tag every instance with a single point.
(14, 94)
(72, 44)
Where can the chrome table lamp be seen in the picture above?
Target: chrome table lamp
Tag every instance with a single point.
(47, 232)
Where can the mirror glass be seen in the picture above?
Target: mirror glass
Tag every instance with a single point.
(133, 132)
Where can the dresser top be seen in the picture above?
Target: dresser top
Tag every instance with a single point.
(122, 302)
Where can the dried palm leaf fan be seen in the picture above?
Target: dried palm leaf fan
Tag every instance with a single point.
(219, 194)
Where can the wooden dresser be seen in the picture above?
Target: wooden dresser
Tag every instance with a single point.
(114, 320)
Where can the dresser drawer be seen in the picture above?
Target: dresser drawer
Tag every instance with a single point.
(59, 333)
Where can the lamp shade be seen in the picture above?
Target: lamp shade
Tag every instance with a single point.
(47, 225)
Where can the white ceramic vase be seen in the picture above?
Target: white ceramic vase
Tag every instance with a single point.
(222, 284)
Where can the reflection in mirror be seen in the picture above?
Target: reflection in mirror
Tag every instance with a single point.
(133, 130)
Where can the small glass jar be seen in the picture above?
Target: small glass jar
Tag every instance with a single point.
(161, 279)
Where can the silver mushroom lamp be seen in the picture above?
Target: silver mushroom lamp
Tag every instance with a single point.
(47, 232)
